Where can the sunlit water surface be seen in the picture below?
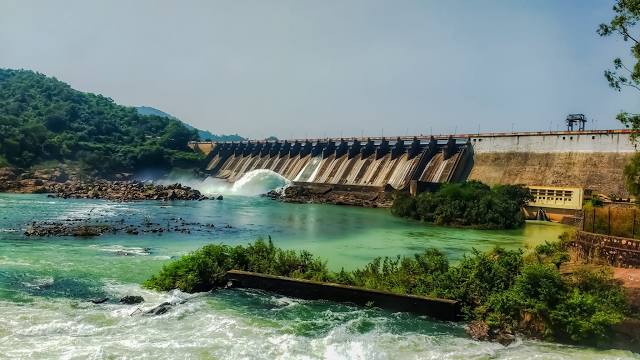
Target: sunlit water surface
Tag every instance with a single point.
(45, 285)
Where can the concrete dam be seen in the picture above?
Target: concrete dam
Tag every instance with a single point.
(587, 159)
(375, 163)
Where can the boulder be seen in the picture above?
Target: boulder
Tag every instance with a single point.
(159, 310)
(505, 338)
(132, 299)
(478, 330)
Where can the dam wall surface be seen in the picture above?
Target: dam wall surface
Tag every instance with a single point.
(376, 163)
(586, 159)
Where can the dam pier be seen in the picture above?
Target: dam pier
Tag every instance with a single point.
(370, 167)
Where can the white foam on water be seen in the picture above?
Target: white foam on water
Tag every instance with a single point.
(252, 183)
(39, 282)
(124, 250)
(258, 182)
(255, 182)
(204, 327)
(10, 262)
(95, 209)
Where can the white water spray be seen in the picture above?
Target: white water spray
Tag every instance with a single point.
(253, 183)
(258, 182)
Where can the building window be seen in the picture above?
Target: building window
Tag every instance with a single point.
(593, 137)
(563, 138)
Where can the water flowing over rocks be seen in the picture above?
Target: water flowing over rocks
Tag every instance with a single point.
(479, 330)
(64, 183)
(159, 310)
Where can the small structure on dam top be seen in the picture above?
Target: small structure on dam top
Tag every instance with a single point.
(589, 159)
(573, 119)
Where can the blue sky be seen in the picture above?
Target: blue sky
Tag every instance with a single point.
(329, 68)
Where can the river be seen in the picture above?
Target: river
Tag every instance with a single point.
(45, 285)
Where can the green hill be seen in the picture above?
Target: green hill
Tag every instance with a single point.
(202, 134)
(44, 119)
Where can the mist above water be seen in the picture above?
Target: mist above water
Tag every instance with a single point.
(253, 183)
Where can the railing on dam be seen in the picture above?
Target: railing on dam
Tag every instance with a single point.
(347, 162)
(439, 137)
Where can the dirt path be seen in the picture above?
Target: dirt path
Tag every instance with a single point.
(629, 277)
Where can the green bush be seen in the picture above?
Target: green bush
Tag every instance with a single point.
(552, 252)
(404, 205)
(204, 269)
(470, 203)
(593, 304)
(478, 277)
(503, 288)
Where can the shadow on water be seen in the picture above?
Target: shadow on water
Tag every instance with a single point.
(50, 285)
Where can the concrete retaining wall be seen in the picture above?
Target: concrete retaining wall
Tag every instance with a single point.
(442, 309)
(616, 251)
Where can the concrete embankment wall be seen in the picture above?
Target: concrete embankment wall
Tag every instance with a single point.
(615, 251)
(590, 160)
(436, 308)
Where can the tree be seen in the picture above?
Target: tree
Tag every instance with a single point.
(43, 119)
(627, 15)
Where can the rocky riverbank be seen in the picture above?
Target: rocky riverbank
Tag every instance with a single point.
(96, 227)
(62, 183)
(123, 191)
(333, 194)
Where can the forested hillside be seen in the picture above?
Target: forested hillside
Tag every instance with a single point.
(44, 119)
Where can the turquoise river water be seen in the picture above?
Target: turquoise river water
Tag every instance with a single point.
(45, 285)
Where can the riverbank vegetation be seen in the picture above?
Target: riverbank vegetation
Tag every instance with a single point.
(44, 119)
(504, 289)
(470, 203)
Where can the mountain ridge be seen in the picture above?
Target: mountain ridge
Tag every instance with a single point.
(204, 135)
(43, 119)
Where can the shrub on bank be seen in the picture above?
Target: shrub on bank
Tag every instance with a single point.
(470, 203)
(204, 269)
(508, 291)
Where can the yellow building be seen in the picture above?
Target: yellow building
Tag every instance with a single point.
(557, 197)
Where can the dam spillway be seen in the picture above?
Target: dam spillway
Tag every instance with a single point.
(372, 163)
(592, 159)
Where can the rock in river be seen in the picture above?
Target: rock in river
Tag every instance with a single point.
(159, 310)
(132, 299)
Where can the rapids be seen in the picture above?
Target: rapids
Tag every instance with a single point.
(46, 285)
